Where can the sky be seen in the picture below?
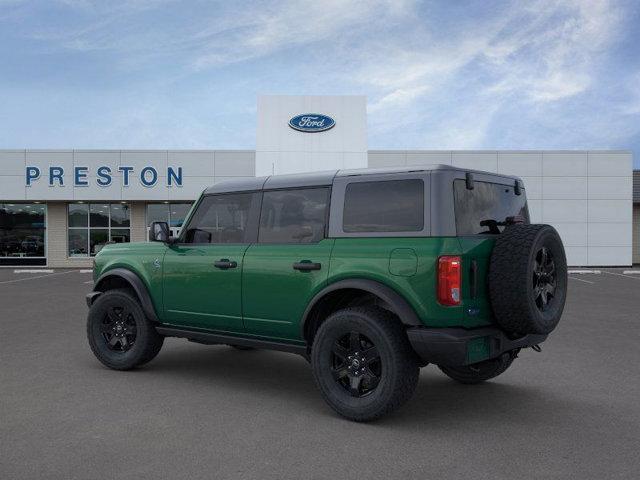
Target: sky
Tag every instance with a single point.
(437, 75)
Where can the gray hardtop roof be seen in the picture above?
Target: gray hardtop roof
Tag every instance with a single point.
(326, 178)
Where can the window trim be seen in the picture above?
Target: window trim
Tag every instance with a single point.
(325, 230)
(252, 226)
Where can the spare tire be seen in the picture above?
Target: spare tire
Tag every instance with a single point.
(528, 279)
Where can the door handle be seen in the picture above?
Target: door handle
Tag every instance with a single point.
(225, 263)
(306, 265)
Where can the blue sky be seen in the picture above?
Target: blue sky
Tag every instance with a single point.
(438, 75)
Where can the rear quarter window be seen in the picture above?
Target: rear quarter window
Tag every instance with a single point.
(487, 201)
(384, 206)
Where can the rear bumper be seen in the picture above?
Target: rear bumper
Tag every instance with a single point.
(458, 346)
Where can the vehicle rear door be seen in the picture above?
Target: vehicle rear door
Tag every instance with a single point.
(290, 262)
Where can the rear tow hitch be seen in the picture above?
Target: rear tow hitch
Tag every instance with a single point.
(536, 348)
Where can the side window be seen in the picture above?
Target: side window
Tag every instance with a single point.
(221, 218)
(293, 216)
(384, 206)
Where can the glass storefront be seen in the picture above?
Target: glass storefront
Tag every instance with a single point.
(92, 225)
(23, 234)
(172, 213)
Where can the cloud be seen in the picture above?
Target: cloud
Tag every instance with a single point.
(287, 25)
(437, 74)
(534, 58)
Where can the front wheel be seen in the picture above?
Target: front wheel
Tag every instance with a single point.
(119, 333)
(363, 363)
(480, 372)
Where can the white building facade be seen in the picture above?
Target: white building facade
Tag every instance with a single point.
(59, 207)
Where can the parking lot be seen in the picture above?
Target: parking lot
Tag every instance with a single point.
(572, 411)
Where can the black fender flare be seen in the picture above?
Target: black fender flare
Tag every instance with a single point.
(399, 305)
(136, 283)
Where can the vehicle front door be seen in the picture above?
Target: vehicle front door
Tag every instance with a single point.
(289, 263)
(203, 270)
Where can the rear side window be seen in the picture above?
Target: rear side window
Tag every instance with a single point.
(384, 206)
(487, 201)
(221, 219)
(293, 216)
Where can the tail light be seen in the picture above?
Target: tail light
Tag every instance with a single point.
(449, 280)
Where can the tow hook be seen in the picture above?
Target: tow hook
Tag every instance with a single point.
(536, 348)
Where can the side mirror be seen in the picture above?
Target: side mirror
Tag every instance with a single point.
(159, 232)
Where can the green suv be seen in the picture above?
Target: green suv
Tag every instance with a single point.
(368, 274)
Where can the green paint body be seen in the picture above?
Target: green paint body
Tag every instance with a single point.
(264, 296)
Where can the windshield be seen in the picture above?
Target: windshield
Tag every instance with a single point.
(487, 202)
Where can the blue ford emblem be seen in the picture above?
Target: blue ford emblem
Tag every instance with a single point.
(311, 122)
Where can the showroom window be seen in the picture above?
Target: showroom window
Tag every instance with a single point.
(172, 213)
(92, 225)
(22, 233)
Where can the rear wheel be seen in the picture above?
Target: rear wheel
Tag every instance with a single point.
(482, 371)
(363, 364)
(119, 333)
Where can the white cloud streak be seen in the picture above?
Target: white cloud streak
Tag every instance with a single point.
(429, 85)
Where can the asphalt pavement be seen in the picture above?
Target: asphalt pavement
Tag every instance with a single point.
(213, 412)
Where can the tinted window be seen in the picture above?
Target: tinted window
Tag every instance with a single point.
(157, 212)
(178, 212)
(119, 215)
(78, 215)
(221, 219)
(487, 201)
(98, 215)
(22, 230)
(91, 226)
(294, 216)
(388, 206)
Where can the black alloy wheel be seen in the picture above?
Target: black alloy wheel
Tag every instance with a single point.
(120, 334)
(363, 363)
(544, 279)
(356, 364)
(528, 279)
(119, 329)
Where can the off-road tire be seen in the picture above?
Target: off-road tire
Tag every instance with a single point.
(398, 362)
(479, 372)
(513, 273)
(147, 342)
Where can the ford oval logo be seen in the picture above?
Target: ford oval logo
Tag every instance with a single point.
(311, 122)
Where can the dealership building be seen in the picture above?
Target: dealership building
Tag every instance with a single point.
(59, 207)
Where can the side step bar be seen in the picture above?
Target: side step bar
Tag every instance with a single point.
(210, 338)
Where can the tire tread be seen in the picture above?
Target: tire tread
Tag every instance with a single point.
(405, 359)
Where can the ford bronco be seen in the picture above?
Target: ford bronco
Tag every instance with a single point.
(368, 274)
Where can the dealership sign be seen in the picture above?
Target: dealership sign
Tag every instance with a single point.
(312, 122)
(78, 177)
